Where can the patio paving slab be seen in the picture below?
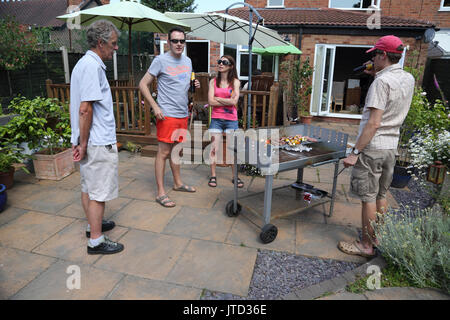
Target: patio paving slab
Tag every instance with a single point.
(52, 284)
(146, 254)
(10, 213)
(47, 199)
(205, 224)
(142, 189)
(31, 229)
(215, 266)
(145, 215)
(75, 210)
(71, 243)
(18, 268)
(70, 182)
(245, 232)
(320, 240)
(204, 197)
(135, 288)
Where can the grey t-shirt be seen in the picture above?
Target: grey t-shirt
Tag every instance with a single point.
(173, 76)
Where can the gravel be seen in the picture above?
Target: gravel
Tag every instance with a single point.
(416, 195)
(276, 274)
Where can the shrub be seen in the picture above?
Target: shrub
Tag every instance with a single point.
(418, 243)
(42, 123)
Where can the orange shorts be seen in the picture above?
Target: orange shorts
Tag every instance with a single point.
(166, 129)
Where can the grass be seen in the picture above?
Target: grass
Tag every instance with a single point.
(391, 277)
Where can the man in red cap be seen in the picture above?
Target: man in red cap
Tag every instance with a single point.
(373, 157)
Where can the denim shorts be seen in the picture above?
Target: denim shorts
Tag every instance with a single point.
(221, 125)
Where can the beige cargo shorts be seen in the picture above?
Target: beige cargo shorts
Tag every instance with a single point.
(372, 174)
(99, 173)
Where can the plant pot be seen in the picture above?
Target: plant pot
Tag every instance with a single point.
(3, 197)
(401, 177)
(306, 119)
(7, 178)
(53, 167)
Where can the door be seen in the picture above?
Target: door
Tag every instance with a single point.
(322, 79)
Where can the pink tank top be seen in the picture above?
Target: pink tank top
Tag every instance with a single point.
(223, 112)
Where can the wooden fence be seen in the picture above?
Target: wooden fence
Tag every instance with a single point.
(264, 107)
(132, 113)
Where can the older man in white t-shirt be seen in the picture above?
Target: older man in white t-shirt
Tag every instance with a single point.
(373, 157)
(94, 134)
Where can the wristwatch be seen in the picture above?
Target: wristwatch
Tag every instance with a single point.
(355, 151)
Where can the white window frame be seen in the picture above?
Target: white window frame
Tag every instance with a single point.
(335, 46)
(442, 8)
(279, 6)
(375, 5)
(163, 42)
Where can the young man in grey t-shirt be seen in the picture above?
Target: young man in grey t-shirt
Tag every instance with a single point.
(173, 71)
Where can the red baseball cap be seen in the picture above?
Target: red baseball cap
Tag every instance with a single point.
(388, 44)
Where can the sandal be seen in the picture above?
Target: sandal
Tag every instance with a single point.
(353, 249)
(164, 201)
(212, 182)
(184, 188)
(240, 184)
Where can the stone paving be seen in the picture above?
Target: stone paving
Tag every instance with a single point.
(171, 253)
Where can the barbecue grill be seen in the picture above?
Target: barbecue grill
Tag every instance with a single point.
(330, 148)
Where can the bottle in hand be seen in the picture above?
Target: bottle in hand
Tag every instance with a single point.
(192, 89)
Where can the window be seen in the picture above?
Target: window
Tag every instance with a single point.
(354, 4)
(445, 5)
(275, 3)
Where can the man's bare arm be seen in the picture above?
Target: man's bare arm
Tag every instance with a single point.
(144, 84)
(85, 123)
(367, 134)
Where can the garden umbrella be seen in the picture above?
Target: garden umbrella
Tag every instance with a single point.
(126, 15)
(225, 28)
(277, 51)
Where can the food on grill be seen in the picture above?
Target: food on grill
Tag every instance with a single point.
(295, 140)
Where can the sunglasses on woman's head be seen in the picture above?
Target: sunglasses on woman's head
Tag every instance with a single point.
(175, 41)
(224, 62)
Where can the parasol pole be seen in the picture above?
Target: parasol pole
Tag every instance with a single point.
(129, 50)
(250, 41)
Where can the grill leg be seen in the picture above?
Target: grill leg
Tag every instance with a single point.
(299, 175)
(268, 198)
(333, 193)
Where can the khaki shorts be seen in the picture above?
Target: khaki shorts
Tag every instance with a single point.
(99, 173)
(372, 174)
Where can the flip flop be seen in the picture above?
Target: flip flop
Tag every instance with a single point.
(212, 182)
(164, 200)
(240, 184)
(353, 249)
(184, 188)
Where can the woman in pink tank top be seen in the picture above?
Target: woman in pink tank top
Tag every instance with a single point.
(223, 96)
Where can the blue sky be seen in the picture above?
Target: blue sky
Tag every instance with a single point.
(210, 5)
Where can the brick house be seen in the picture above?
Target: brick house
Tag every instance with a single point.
(335, 39)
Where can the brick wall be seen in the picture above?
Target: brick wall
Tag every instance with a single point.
(427, 10)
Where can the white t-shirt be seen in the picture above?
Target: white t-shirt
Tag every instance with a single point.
(89, 83)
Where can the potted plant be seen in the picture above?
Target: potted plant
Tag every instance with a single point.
(422, 114)
(298, 87)
(8, 157)
(44, 124)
